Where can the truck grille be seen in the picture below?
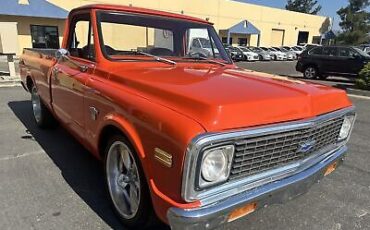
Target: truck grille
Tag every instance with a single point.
(257, 154)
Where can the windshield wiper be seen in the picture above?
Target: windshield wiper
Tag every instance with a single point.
(157, 58)
(205, 59)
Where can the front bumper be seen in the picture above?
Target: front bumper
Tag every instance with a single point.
(277, 192)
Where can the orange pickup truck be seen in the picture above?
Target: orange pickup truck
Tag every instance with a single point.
(186, 136)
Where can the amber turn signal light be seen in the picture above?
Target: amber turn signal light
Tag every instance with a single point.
(331, 168)
(242, 211)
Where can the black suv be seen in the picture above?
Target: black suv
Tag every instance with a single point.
(332, 60)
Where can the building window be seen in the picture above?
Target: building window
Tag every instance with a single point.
(45, 37)
(224, 40)
(242, 41)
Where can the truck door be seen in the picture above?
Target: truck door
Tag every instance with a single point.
(70, 74)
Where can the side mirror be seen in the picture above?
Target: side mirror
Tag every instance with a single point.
(61, 53)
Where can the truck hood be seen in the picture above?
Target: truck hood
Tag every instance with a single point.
(222, 98)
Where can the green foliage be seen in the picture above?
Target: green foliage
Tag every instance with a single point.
(355, 23)
(363, 82)
(303, 6)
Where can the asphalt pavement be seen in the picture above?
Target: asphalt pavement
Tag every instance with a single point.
(49, 181)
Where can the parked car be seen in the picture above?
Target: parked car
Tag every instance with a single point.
(293, 49)
(263, 55)
(367, 50)
(332, 60)
(202, 46)
(291, 56)
(277, 54)
(194, 141)
(235, 53)
(248, 54)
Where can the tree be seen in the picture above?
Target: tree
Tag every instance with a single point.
(355, 23)
(303, 6)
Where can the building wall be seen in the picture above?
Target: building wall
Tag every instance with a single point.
(24, 28)
(8, 37)
(223, 13)
(226, 13)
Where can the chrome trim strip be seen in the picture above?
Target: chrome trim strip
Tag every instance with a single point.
(214, 215)
(223, 191)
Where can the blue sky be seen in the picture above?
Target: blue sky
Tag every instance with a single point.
(329, 7)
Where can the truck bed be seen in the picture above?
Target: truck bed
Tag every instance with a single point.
(39, 52)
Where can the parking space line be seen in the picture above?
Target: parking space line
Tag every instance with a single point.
(358, 96)
(21, 155)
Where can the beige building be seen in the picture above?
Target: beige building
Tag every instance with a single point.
(40, 23)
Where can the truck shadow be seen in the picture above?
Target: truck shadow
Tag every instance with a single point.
(79, 168)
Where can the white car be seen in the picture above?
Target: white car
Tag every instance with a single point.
(248, 54)
(293, 49)
(278, 55)
(290, 54)
(202, 46)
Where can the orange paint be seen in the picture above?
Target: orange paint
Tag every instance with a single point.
(160, 106)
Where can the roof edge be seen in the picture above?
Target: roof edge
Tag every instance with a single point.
(139, 10)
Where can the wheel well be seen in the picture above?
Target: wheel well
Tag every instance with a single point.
(105, 134)
(29, 83)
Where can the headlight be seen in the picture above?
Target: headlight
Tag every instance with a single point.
(216, 164)
(346, 127)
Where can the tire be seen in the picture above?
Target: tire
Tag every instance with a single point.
(126, 185)
(43, 117)
(310, 72)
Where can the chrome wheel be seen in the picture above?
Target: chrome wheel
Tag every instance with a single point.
(310, 73)
(36, 105)
(123, 179)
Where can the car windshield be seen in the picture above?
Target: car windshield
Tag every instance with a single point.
(363, 53)
(152, 38)
(264, 48)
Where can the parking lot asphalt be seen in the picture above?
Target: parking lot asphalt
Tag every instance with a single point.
(49, 181)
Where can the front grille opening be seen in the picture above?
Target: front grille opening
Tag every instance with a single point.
(255, 155)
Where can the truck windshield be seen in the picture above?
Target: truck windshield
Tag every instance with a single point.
(129, 36)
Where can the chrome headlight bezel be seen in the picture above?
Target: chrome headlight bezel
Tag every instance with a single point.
(347, 127)
(227, 153)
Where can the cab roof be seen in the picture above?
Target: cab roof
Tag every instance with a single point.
(139, 10)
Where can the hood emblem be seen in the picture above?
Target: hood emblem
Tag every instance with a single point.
(306, 146)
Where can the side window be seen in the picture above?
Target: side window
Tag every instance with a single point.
(200, 43)
(329, 51)
(81, 39)
(347, 52)
(316, 51)
(196, 44)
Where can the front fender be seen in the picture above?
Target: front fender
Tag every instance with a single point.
(124, 126)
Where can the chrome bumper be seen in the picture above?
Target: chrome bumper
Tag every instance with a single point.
(278, 192)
